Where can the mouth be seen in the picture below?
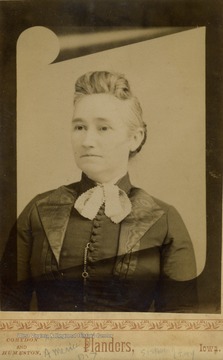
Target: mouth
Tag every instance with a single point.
(90, 155)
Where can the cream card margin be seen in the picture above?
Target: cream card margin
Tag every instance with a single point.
(152, 336)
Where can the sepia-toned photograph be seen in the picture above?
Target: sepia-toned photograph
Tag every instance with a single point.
(102, 243)
(111, 184)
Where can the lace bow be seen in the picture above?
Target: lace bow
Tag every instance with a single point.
(117, 203)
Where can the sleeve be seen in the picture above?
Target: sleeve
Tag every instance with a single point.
(177, 288)
(16, 282)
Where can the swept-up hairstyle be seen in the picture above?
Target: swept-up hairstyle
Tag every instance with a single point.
(105, 82)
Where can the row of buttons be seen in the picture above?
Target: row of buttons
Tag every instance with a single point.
(95, 231)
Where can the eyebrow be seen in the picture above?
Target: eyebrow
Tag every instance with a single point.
(102, 119)
(75, 120)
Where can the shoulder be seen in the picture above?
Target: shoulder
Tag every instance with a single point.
(63, 189)
(176, 227)
(56, 196)
(145, 203)
(144, 198)
(165, 206)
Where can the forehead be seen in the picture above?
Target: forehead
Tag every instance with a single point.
(101, 106)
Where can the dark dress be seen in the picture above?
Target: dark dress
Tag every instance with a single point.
(145, 263)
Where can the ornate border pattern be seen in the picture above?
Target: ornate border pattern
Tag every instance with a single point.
(111, 325)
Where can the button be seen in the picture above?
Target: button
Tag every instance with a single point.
(98, 217)
(64, 253)
(100, 212)
(90, 258)
(61, 273)
(96, 224)
(91, 248)
(93, 240)
(94, 232)
(91, 272)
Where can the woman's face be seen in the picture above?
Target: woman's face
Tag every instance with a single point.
(100, 136)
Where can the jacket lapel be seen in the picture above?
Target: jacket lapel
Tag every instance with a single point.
(145, 213)
(54, 212)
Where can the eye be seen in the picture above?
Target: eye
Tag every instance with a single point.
(104, 128)
(79, 127)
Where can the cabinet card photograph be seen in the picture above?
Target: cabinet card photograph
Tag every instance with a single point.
(111, 244)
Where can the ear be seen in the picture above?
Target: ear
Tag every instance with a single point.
(136, 139)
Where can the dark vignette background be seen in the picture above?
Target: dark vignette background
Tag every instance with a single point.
(16, 16)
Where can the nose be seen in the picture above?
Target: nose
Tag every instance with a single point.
(89, 138)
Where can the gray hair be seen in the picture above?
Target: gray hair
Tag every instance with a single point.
(104, 82)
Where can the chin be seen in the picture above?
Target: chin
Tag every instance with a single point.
(92, 172)
(100, 176)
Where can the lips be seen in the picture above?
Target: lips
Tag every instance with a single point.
(90, 155)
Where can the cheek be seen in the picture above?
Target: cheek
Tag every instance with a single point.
(121, 143)
(117, 151)
(75, 141)
(76, 150)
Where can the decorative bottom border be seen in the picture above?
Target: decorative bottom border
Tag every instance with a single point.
(109, 325)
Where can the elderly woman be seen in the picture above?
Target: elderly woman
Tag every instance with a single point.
(102, 244)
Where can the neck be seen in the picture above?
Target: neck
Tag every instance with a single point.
(106, 179)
